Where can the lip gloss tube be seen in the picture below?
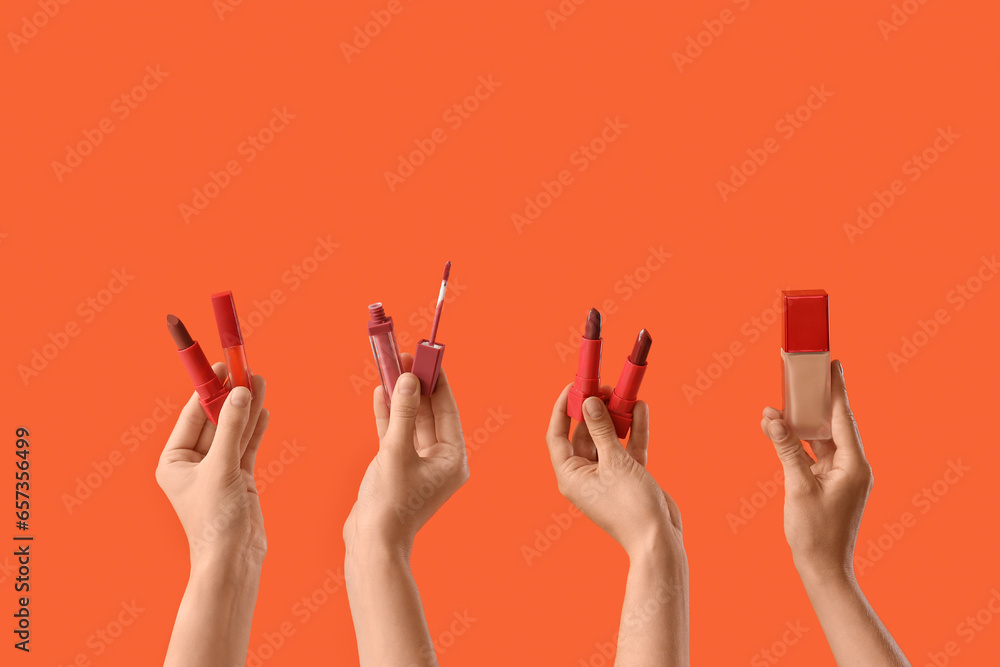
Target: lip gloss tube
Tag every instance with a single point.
(384, 347)
(211, 392)
(805, 356)
(232, 340)
(626, 392)
(587, 382)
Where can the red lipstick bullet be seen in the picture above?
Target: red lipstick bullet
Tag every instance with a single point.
(626, 392)
(232, 340)
(211, 392)
(588, 370)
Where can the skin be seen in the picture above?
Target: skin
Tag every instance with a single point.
(611, 486)
(421, 462)
(824, 500)
(207, 474)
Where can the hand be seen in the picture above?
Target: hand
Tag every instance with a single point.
(207, 474)
(825, 497)
(609, 483)
(421, 462)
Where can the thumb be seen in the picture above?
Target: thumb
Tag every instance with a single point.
(225, 448)
(402, 415)
(602, 431)
(790, 452)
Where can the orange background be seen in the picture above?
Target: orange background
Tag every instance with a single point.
(517, 297)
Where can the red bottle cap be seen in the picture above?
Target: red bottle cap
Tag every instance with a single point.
(427, 365)
(226, 320)
(806, 321)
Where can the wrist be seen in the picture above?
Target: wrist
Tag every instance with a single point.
(661, 550)
(818, 575)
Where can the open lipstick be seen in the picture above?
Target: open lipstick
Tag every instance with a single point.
(429, 354)
(232, 340)
(588, 370)
(211, 392)
(383, 339)
(626, 392)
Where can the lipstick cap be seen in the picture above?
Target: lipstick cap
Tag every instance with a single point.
(378, 321)
(806, 321)
(427, 365)
(226, 320)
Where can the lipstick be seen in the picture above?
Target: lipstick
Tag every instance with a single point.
(232, 340)
(805, 355)
(626, 392)
(211, 392)
(383, 339)
(587, 382)
(429, 354)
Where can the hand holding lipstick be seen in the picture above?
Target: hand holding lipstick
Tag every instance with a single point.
(206, 471)
(612, 487)
(824, 501)
(421, 462)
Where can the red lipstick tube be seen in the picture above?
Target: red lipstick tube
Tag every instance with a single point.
(211, 392)
(587, 382)
(384, 347)
(232, 340)
(624, 396)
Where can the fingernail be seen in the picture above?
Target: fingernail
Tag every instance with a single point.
(240, 397)
(595, 408)
(777, 430)
(407, 384)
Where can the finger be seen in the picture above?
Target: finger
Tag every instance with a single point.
(256, 405)
(426, 431)
(557, 437)
(208, 433)
(844, 427)
(406, 360)
(381, 411)
(250, 455)
(789, 450)
(638, 439)
(447, 421)
(602, 431)
(583, 444)
(225, 450)
(675, 512)
(773, 413)
(189, 425)
(402, 415)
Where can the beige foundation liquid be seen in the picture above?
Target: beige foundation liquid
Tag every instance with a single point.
(805, 355)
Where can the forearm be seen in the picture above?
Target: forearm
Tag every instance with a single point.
(385, 604)
(654, 623)
(213, 622)
(853, 630)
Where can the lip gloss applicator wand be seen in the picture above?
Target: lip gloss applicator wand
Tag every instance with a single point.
(427, 360)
